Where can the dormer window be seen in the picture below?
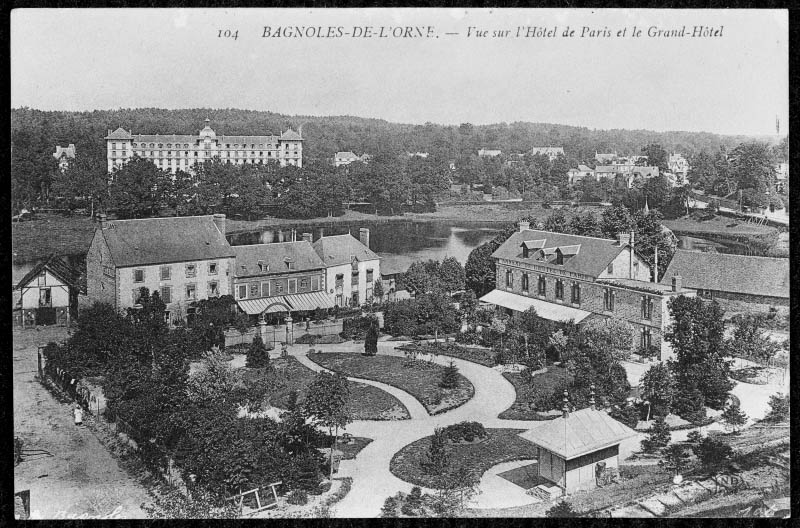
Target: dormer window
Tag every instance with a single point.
(260, 265)
(289, 265)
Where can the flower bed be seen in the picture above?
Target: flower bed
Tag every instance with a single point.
(418, 378)
(366, 402)
(534, 394)
(499, 445)
(480, 355)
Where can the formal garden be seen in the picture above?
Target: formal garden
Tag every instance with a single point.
(438, 388)
(466, 445)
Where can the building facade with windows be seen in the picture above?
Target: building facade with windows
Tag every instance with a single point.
(352, 269)
(64, 156)
(48, 294)
(346, 158)
(182, 152)
(575, 278)
(184, 259)
(279, 278)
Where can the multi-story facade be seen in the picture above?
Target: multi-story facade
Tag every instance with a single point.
(48, 294)
(64, 156)
(575, 278)
(488, 153)
(551, 152)
(182, 152)
(185, 259)
(281, 278)
(352, 269)
(782, 177)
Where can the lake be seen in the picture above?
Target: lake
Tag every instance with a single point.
(399, 244)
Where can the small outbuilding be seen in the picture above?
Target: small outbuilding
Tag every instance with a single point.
(578, 448)
(49, 294)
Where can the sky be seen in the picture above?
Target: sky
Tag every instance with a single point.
(736, 82)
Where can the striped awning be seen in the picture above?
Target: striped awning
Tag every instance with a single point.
(309, 301)
(285, 303)
(547, 310)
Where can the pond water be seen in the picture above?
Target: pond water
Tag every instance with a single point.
(399, 244)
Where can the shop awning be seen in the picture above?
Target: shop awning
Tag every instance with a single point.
(309, 301)
(264, 305)
(547, 310)
(285, 303)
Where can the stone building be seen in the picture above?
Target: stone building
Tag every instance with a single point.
(279, 278)
(182, 152)
(551, 152)
(575, 278)
(352, 269)
(186, 259)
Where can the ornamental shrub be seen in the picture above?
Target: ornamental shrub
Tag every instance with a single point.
(299, 497)
(449, 377)
(657, 437)
(257, 354)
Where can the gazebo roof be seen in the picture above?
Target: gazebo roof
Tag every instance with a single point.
(582, 432)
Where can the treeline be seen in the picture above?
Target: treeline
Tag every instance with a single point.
(35, 133)
(139, 188)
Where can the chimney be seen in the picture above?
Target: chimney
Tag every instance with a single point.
(308, 237)
(565, 408)
(103, 220)
(591, 398)
(623, 238)
(219, 221)
(363, 235)
(524, 226)
(676, 283)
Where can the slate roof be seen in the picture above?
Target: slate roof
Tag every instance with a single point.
(150, 241)
(584, 168)
(730, 273)
(346, 155)
(66, 273)
(582, 432)
(593, 258)
(336, 250)
(275, 256)
(291, 135)
(119, 133)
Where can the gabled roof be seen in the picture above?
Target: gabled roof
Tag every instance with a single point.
(533, 244)
(274, 257)
(582, 432)
(346, 155)
(64, 151)
(584, 168)
(336, 250)
(291, 135)
(730, 273)
(163, 240)
(66, 273)
(119, 133)
(594, 256)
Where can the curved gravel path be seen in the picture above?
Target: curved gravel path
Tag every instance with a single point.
(372, 480)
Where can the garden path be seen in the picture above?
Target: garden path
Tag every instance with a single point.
(372, 480)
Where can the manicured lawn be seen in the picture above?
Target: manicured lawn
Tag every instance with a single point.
(480, 355)
(417, 377)
(366, 402)
(499, 445)
(532, 395)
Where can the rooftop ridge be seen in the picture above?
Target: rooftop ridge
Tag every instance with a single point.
(159, 218)
(568, 234)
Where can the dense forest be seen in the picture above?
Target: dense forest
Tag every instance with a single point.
(35, 133)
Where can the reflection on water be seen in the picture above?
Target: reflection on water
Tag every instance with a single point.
(702, 244)
(398, 243)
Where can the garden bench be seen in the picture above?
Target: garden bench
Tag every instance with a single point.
(272, 503)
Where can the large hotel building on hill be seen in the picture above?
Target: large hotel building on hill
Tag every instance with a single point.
(174, 152)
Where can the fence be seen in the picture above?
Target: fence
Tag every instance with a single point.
(277, 333)
(91, 400)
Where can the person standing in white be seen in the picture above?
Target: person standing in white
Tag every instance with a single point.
(78, 412)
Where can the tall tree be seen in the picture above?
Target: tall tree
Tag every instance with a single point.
(326, 403)
(753, 167)
(138, 189)
(656, 156)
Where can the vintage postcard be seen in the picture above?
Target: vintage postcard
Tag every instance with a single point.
(361, 263)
